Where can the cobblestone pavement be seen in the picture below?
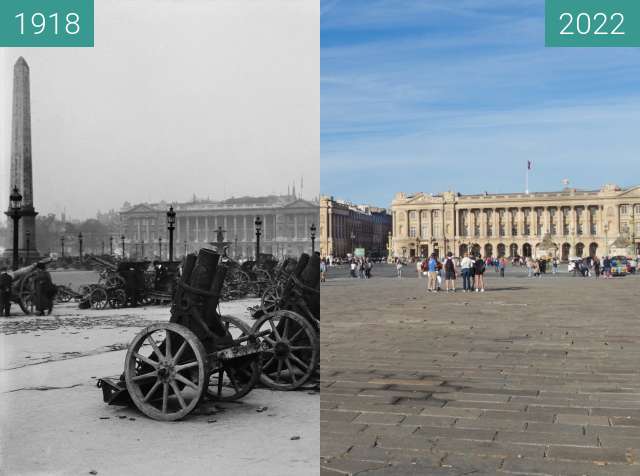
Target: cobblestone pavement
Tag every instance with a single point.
(531, 377)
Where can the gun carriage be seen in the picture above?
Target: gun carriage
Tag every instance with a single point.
(171, 367)
(292, 346)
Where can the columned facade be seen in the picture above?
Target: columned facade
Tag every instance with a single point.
(284, 226)
(567, 223)
(345, 226)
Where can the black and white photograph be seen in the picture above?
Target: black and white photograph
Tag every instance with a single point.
(159, 278)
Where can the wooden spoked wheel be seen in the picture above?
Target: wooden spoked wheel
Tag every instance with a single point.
(117, 298)
(270, 299)
(27, 294)
(291, 349)
(165, 371)
(99, 298)
(233, 379)
(236, 283)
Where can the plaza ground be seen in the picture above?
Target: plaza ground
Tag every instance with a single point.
(538, 377)
(55, 422)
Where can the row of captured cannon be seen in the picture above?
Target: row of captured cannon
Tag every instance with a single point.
(131, 284)
(170, 367)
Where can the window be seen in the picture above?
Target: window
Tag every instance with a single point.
(412, 232)
(412, 215)
(436, 213)
(623, 210)
(637, 209)
(425, 231)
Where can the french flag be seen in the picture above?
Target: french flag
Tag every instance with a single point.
(529, 164)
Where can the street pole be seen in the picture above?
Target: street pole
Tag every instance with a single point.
(111, 245)
(160, 246)
(313, 238)
(62, 246)
(171, 225)
(28, 237)
(258, 224)
(15, 213)
(185, 247)
(122, 239)
(80, 245)
(142, 249)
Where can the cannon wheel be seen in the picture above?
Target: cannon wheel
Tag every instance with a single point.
(233, 380)
(117, 298)
(164, 371)
(236, 284)
(270, 298)
(27, 294)
(292, 349)
(98, 298)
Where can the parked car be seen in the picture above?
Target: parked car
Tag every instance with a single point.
(619, 265)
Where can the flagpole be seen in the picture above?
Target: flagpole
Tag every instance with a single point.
(526, 181)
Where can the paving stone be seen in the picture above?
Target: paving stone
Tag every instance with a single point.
(340, 416)
(548, 395)
(582, 420)
(380, 418)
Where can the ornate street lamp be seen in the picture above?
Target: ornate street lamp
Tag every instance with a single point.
(142, 248)
(80, 245)
(111, 245)
(122, 240)
(15, 213)
(606, 241)
(62, 246)
(171, 225)
(258, 224)
(313, 237)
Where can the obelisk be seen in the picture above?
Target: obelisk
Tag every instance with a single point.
(21, 167)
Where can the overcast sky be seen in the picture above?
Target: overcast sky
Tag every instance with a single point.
(431, 95)
(214, 97)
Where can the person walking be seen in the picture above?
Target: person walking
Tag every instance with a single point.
(554, 266)
(479, 268)
(529, 264)
(432, 270)
(323, 270)
(596, 267)
(353, 266)
(466, 266)
(419, 268)
(449, 273)
(606, 267)
(398, 268)
(44, 290)
(502, 263)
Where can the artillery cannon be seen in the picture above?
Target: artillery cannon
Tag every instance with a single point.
(293, 322)
(170, 367)
(23, 287)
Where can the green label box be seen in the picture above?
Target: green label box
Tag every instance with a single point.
(592, 23)
(62, 23)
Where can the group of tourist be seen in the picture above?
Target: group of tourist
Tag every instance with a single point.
(471, 268)
(361, 268)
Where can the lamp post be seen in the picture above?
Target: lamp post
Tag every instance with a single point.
(235, 247)
(258, 224)
(15, 213)
(171, 225)
(185, 247)
(160, 247)
(111, 245)
(28, 239)
(313, 237)
(142, 248)
(389, 248)
(353, 237)
(122, 240)
(80, 245)
(606, 241)
(62, 246)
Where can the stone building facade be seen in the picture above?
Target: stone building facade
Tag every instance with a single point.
(286, 221)
(565, 224)
(344, 227)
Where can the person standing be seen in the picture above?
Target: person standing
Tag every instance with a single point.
(419, 268)
(502, 263)
(449, 273)
(479, 268)
(529, 263)
(432, 266)
(554, 266)
(398, 268)
(323, 270)
(5, 292)
(596, 267)
(465, 269)
(44, 290)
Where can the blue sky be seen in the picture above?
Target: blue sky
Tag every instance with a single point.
(434, 95)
